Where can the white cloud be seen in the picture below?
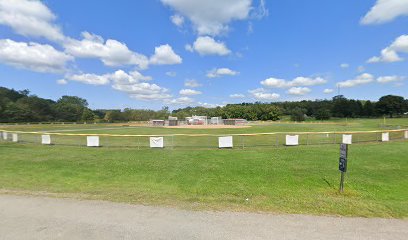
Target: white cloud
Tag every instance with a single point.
(62, 81)
(171, 74)
(211, 17)
(208, 46)
(89, 78)
(261, 11)
(219, 72)
(362, 79)
(328, 91)
(385, 11)
(299, 91)
(210, 105)
(33, 56)
(344, 65)
(189, 92)
(387, 79)
(391, 53)
(177, 20)
(192, 83)
(111, 52)
(30, 18)
(237, 95)
(297, 82)
(306, 81)
(133, 83)
(262, 95)
(180, 101)
(164, 55)
(360, 69)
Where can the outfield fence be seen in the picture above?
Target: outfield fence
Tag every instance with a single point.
(209, 141)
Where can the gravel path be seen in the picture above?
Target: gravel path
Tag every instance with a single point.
(26, 217)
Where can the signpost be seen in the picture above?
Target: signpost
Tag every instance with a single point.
(343, 164)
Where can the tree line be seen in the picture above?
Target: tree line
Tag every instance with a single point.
(20, 106)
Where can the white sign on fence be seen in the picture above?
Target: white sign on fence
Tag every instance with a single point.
(406, 135)
(347, 138)
(225, 142)
(5, 135)
(292, 140)
(46, 139)
(385, 137)
(15, 137)
(92, 141)
(156, 142)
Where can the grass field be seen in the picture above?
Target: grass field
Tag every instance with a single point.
(301, 179)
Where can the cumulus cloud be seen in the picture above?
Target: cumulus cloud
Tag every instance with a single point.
(164, 55)
(211, 17)
(344, 65)
(391, 53)
(192, 83)
(208, 46)
(30, 18)
(133, 83)
(180, 101)
(362, 79)
(388, 79)
(297, 82)
(189, 92)
(262, 94)
(219, 72)
(177, 20)
(328, 91)
(300, 91)
(89, 78)
(209, 105)
(62, 81)
(237, 95)
(171, 74)
(111, 52)
(360, 69)
(33, 56)
(385, 11)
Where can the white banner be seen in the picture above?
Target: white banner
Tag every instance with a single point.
(225, 142)
(46, 139)
(5, 135)
(92, 141)
(406, 134)
(385, 137)
(347, 138)
(14, 137)
(292, 140)
(156, 142)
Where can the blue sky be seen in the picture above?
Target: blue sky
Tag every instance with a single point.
(154, 53)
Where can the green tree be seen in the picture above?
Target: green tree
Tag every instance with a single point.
(298, 114)
(323, 114)
(391, 105)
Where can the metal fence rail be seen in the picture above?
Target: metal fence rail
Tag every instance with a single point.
(206, 141)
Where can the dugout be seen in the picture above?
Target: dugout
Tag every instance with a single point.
(157, 123)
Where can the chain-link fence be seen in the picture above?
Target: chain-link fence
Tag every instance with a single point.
(206, 141)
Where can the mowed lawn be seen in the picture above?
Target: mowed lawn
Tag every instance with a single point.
(302, 179)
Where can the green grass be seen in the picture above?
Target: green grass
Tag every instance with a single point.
(210, 142)
(301, 179)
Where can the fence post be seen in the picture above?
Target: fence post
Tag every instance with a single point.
(242, 141)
